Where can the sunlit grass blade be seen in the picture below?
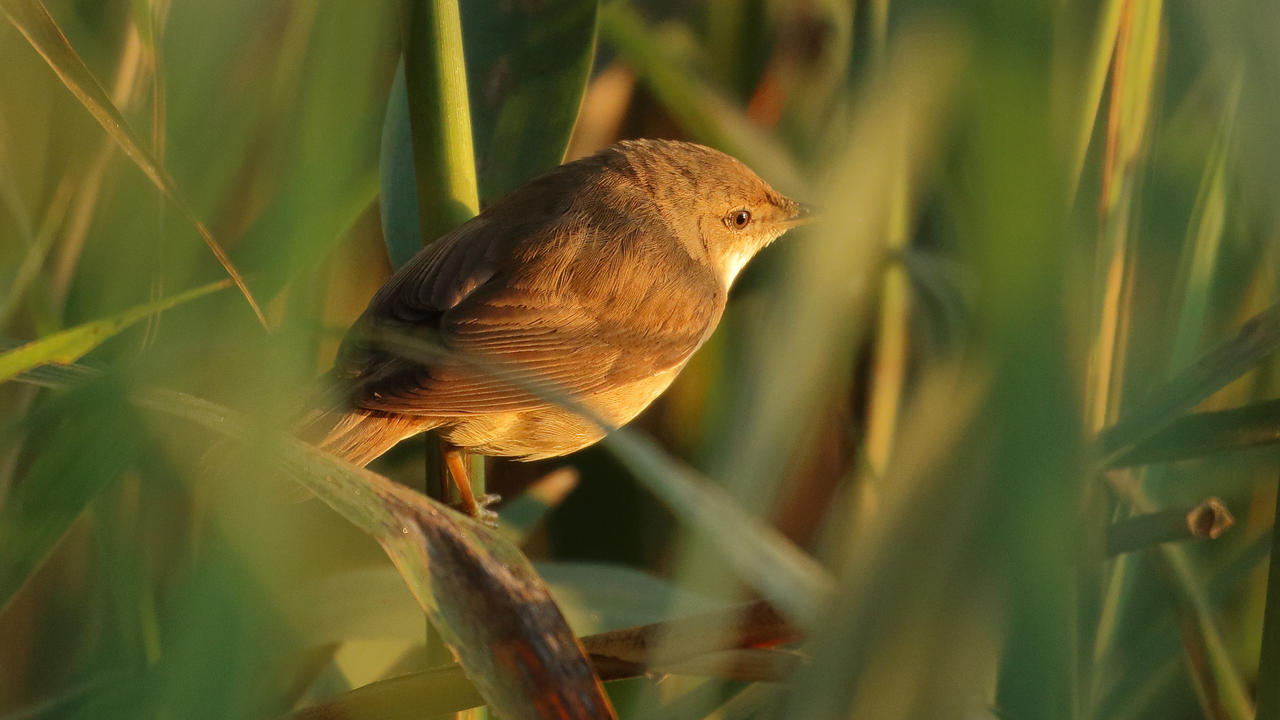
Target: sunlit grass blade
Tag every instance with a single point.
(71, 344)
(1104, 42)
(34, 22)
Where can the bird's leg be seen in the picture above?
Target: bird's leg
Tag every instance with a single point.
(478, 509)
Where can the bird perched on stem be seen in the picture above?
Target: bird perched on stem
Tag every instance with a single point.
(600, 279)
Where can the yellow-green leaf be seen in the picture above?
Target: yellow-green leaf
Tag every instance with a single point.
(71, 344)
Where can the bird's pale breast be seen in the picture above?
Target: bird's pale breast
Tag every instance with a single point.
(553, 431)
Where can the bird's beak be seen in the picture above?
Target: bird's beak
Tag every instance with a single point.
(801, 214)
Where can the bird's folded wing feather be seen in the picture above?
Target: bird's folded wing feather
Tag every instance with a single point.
(573, 328)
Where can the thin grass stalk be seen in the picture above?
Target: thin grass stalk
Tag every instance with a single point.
(123, 92)
(1269, 664)
(153, 26)
(892, 345)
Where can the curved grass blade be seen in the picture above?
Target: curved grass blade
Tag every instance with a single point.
(527, 70)
(34, 22)
(487, 601)
(71, 344)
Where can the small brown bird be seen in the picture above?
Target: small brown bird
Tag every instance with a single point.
(601, 278)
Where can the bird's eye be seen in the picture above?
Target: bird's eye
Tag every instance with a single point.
(738, 219)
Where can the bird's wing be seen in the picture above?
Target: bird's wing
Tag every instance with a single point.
(533, 310)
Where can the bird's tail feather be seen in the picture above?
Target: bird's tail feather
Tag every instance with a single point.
(359, 436)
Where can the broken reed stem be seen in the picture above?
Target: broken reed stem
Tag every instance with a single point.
(732, 644)
(1207, 521)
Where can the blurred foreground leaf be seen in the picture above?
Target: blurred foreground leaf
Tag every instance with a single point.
(69, 345)
(33, 21)
(487, 601)
(84, 441)
(489, 604)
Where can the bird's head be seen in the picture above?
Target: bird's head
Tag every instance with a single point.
(719, 208)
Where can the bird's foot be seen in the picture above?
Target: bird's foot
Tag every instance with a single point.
(480, 511)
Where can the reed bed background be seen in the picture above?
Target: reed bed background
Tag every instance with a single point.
(950, 434)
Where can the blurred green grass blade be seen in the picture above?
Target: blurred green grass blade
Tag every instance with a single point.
(765, 559)
(1104, 42)
(439, 116)
(1198, 435)
(1256, 339)
(85, 440)
(527, 70)
(70, 344)
(1269, 665)
(1204, 235)
(479, 591)
(38, 27)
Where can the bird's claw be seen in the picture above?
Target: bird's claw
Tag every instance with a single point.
(481, 512)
